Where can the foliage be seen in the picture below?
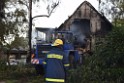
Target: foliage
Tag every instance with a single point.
(13, 19)
(107, 63)
(115, 10)
(19, 42)
(2, 16)
(19, 74)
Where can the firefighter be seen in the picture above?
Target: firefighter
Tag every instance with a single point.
(56, 63)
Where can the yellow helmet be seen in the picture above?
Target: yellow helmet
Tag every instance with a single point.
(57, 42)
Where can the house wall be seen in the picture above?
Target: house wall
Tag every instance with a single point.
(97, 25)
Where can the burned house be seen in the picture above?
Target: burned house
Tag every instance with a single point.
(87, 24)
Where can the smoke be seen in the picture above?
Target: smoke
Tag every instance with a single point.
(78, 32)
(81, 30)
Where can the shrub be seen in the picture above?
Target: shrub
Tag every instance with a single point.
(107, 63)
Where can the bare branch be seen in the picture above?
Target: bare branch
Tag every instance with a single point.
(49, 14)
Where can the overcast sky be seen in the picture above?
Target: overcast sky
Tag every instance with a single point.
(65, 9)
(61, 13)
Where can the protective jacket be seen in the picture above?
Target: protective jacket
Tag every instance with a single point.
(56, 64)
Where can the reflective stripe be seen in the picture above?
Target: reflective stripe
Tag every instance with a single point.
(66, 65)
(56, 56)
(34, 61)
(44, 62)
(55, 80)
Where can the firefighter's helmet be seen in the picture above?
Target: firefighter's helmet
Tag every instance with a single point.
(57, 42)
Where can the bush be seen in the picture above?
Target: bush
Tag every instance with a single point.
(107, 63)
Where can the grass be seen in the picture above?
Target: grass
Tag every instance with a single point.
(35, 79)
(19, 74)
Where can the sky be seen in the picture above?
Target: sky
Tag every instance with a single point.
(60, 14)
(65, 9)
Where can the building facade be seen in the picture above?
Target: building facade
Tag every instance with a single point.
(87, 23)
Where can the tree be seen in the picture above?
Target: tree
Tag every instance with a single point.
(50, 9)
(114, 9)
(14, 18)
(107, 63)
(19, 42)
(13, 14)
(2, 23)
